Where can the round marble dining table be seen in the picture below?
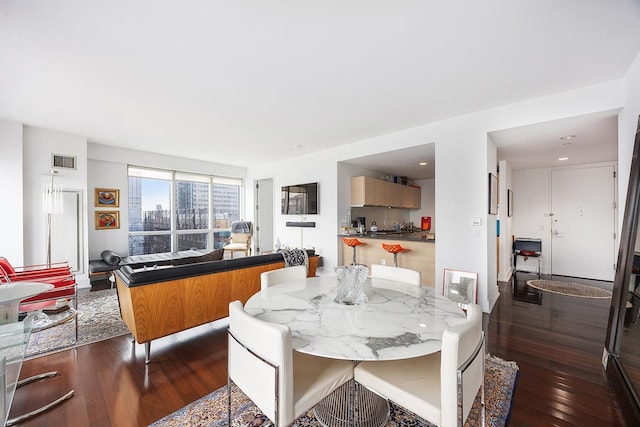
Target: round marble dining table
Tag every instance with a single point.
(399, 321)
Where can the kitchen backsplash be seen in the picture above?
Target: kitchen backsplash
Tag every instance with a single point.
(385, 218)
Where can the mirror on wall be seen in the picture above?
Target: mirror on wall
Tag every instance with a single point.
(622, 346)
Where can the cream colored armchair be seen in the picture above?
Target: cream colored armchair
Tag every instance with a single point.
(240, 240)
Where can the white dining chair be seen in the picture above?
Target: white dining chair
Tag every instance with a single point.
(430, 385)
(273, 277)
(399, 274)
(282, 382)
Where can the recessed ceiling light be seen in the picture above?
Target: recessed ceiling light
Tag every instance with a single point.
(562, 159)
(423, 163)
(568, 137)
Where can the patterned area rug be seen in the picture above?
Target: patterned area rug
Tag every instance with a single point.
(98, 319)
(211, 410)
(570, 289)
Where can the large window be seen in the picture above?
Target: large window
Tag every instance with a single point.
(175, 211)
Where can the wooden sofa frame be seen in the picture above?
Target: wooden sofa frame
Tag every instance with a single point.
(157, 309)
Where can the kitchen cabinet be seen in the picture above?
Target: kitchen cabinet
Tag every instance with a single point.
(368, 191)
(364, 191)
(410, 197)
(391, 194)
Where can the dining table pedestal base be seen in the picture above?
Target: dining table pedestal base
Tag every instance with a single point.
(369, 409)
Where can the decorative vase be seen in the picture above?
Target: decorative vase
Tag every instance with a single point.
(350, 280)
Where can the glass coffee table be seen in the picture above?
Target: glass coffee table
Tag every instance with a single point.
(14, 338)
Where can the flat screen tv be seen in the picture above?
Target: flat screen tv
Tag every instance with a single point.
(300, 199)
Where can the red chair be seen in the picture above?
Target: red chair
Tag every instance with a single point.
(34, 271)
(65, 287)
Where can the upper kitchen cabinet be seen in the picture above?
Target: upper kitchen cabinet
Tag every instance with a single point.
(391, 194)
(368, 191)
(410, 197)
(364, 191)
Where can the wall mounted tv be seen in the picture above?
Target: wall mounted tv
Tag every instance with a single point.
(300, 199)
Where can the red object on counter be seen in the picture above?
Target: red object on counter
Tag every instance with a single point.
(426, 223)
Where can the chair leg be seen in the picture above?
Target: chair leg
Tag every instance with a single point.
(228, 400)
(21, 418)
(147, 352)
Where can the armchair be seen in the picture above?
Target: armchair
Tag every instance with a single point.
(240, 240)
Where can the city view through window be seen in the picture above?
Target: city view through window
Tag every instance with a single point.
(173, 211)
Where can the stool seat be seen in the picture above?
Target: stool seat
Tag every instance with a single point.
(394, 249)
(352, 241)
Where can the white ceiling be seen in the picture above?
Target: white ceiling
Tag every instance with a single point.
(593, 139)
(242, 82)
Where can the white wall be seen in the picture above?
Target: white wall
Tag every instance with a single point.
(627, 124)
(39, 145)
(11, 220)
(427, 203)
(107, 174)
(506, 222)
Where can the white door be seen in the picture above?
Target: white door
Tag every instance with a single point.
(583, 222)
(263, 232)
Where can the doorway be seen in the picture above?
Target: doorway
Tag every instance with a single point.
(583, 222)
(263, 230)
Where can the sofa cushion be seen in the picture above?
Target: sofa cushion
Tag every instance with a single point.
(216, 255)
(110, 257)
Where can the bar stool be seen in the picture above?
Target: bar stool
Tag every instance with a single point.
(354, 243)
(395, 250)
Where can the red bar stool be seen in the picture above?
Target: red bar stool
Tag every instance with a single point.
(395, 250)
(354, 243)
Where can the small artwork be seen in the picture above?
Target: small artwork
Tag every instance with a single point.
(107, 220)
(107, 198)
(460, 286)
(509, 202)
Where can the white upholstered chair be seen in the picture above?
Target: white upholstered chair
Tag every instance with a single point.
(406, 275)
(429, 385)
(238, 242)
(283, 383)
(273, 277)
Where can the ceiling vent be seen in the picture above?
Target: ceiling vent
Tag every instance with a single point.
(63, 162)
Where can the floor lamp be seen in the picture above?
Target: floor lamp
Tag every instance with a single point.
(52, 203)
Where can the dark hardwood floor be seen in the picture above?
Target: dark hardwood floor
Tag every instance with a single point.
(556, 340)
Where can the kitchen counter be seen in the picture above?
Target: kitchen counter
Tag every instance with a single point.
(419, 256)
(414, 236)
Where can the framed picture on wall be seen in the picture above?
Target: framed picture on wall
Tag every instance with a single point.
(107, 220)
(493, 194)
(460, 286)
(107, 198)
(509, 202)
